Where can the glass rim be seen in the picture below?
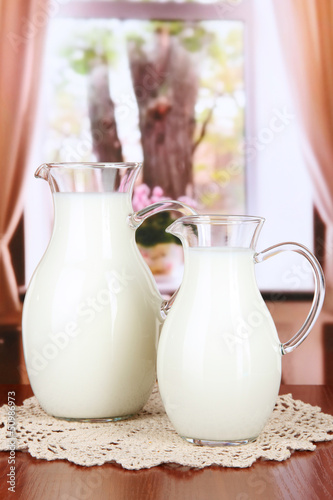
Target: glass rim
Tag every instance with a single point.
(91, 164)
(220, 219)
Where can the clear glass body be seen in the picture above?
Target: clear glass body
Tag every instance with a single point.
(91, 315)
(219, 355)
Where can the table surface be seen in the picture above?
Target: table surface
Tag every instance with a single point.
(306, 475)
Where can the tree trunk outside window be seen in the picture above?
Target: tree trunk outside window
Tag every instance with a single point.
(166, 90)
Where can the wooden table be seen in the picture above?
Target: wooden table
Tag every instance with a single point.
(306, 475)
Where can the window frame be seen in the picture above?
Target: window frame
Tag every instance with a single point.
(233, 10)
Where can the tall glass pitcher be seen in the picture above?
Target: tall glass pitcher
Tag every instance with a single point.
(92, 311)
(219, 355)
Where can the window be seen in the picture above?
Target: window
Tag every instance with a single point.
(183, 79)
(231, 48)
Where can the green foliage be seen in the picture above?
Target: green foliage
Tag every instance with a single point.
(234, 42)
(194, 37)
(94, 45)
(198, 167)
(135, 39)
(209, 198)
(174, 28)
(152, 231)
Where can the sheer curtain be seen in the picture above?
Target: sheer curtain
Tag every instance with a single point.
(22, 27)
(307, 38)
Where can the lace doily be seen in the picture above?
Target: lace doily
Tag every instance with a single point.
(149, 439)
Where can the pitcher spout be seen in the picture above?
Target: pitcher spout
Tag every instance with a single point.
(42, 172)
(177, 229)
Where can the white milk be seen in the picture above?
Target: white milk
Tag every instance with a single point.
(91, 314)
(219, 357)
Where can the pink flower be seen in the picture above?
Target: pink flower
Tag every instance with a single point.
(142, 189)
(157, 191)
(157, 195)
(143, 197)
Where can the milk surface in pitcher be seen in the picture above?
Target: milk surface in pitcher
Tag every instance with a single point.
(219, 348)
(91, 312)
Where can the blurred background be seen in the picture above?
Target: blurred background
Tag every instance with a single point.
(228, 104)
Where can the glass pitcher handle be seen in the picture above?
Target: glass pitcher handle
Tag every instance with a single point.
(319, 291)
(137, 218)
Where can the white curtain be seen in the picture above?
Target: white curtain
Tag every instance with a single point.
(306, 29)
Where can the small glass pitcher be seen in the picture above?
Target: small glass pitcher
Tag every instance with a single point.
(92, 312)
(219, 355)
